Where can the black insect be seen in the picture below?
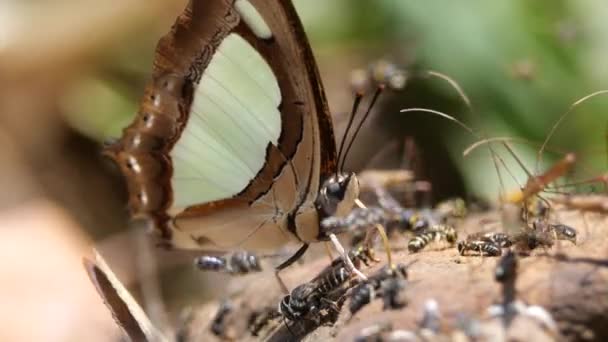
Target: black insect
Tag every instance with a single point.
(506, 274)
(564, 232)
(332, 279)
(403, 218)
(361, 296)
(414, 220)
(528, 240)
(302, 299)
(218, 323)
(315, 295)
(357, 220)
(433, 233)
(241, 262)
(559, 231)
(360, 254)
(305, 302)
(387, 284)
(483, 247)
(502, 240)
(391, 290)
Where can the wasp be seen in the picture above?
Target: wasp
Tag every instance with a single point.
(314, 296)
(361, 254)
(560, 231)
(488, 243)
(502, 240)
(483, 247)
(357, 220)
(387, 283)
(506, 274)
(302, 300)
(414, 220)
(433, 233)
(241, 262)
(218, 322)
(564, 232)
(530, 239)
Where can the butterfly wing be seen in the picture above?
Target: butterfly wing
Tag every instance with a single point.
(233, 135)
(125, 310)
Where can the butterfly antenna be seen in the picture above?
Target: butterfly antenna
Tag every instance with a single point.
(356, 103)
(379, 91)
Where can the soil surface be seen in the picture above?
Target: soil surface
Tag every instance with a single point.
(569, 281)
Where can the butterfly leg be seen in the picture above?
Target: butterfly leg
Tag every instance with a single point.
(297, 255)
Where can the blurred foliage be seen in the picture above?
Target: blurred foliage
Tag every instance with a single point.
(523, 63)
(72, 72)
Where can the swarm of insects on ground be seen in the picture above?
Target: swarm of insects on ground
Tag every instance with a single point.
(429, 278)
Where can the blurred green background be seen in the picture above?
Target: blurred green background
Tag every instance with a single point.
(72, 71)
(522, 64)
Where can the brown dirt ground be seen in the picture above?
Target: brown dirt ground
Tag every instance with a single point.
(571, 281)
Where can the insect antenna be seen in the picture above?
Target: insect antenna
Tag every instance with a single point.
(561, 119)
(356, 103)
(495, 157)
(377, 93)
(559, 169)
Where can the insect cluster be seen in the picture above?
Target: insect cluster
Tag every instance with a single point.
(320, 300)
(413, 229)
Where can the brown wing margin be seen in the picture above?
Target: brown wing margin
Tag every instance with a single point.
(294, 65)
(290, 57)
(328, 142)
(181, 56)
(329, 163)
(118, 307)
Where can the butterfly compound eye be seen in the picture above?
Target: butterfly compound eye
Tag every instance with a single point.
(337, 187)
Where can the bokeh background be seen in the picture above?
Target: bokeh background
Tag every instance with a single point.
(71, 73)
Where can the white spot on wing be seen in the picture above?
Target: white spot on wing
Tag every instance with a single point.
(253, 19)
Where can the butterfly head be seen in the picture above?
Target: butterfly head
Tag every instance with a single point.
(338, 194)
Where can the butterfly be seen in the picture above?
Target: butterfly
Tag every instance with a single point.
(233, 144)
(126, 311)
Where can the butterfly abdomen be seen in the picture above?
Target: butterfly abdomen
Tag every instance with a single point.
(141, 152)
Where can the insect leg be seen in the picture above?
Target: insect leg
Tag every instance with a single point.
(297, 255)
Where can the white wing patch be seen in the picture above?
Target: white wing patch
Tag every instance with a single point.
(233, 117)
(253, 19)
